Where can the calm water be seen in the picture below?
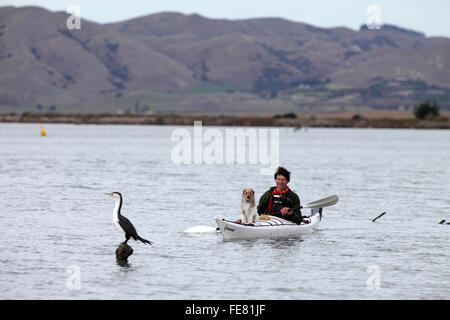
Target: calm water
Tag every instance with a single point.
(56, 221)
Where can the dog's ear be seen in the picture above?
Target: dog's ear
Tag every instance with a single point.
(253, 191)
(243, 191)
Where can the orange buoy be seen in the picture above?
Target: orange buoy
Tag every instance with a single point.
(43, 133)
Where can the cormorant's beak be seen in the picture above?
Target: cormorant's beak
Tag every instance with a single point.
(109, 194)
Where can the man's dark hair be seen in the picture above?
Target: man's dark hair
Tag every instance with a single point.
(282, 171)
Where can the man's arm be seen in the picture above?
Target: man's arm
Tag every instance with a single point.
(263, 203)
(297, 215)
(295, 201)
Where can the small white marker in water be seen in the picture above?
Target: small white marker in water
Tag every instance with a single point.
(201, 229)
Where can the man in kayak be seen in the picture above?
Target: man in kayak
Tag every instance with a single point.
(278, 201)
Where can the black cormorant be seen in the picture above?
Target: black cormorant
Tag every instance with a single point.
(122, 223)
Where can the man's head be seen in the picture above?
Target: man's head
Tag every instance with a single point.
(282, 177)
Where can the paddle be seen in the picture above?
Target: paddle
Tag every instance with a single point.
(324, 202)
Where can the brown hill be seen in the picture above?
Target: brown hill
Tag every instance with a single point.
(44, 62)
(187, 63)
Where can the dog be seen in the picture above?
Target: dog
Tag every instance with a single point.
(248, 207)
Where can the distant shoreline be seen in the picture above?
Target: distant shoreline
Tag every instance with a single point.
(344, 120)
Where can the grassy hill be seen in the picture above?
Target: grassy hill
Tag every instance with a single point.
(171, 62)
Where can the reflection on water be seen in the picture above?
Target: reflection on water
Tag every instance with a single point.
(123, 263)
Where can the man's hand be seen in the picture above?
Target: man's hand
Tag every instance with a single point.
(285, 211)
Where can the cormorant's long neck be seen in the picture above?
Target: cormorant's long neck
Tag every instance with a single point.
(117, 208)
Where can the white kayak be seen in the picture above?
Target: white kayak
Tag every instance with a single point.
(275, 227)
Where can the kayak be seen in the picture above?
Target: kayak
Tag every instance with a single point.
(275, 227)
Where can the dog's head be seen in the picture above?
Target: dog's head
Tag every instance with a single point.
(248, 195)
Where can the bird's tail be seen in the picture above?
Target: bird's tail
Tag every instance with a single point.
(145, 241)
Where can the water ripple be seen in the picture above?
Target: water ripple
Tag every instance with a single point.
(57, 222)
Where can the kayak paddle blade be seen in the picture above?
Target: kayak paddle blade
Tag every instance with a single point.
(325, 202)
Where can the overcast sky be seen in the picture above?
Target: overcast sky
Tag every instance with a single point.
(428, 16)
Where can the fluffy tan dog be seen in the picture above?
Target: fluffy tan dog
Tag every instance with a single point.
(248, 207)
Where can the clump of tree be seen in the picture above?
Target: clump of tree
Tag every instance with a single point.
(428, 109)
(289, 115)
